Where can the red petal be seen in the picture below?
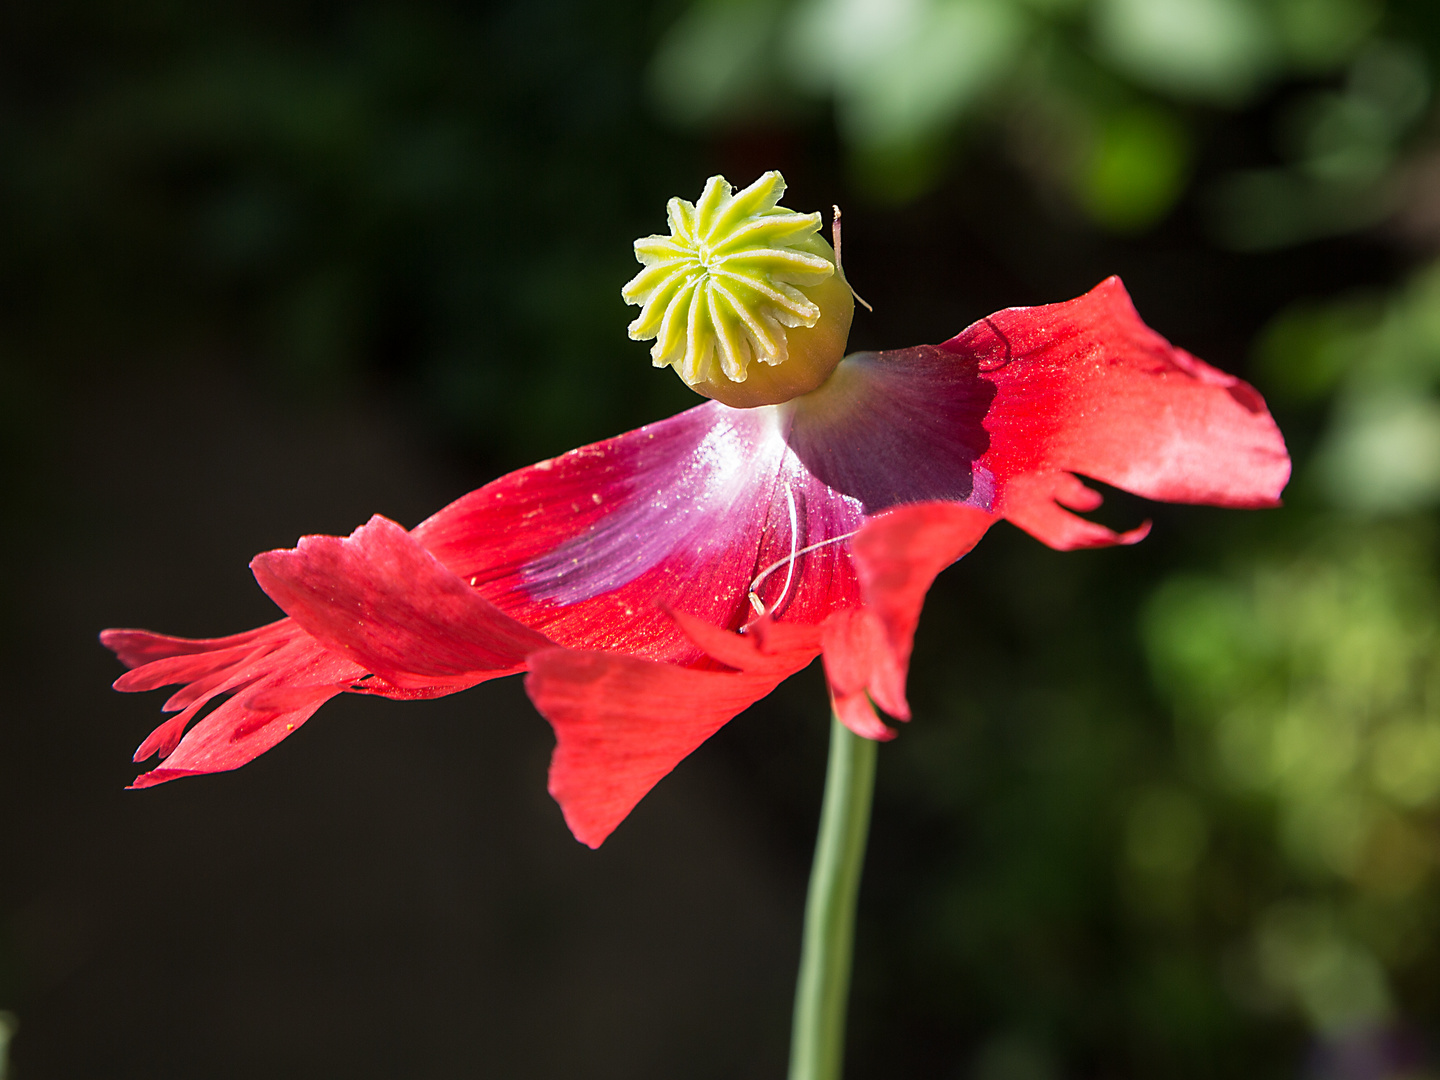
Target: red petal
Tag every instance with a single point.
(621, 724)
(856, 713)
(280, 660)
(1031, 503)
(382, 600)
(234, 732)
(765, 647)
(696, 512)
(219, 681)
(138, 647)
(185, 668)
(280, 699)
(1086, 387)
(856, 660)
(897, 555)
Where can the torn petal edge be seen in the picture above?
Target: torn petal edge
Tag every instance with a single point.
(1037, 503)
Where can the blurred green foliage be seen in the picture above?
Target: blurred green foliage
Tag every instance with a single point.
(1308, 686)
(1306, 678)
(1093, 96)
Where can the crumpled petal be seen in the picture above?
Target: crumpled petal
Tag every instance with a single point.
(372, 613)
(1086, 387)
(278, 661)
(382, 600)
(867, 650)
(208, 667)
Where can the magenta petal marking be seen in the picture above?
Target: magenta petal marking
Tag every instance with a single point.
(687, 492)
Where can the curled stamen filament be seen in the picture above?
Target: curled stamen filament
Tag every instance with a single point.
(794, 539)
(789, 560)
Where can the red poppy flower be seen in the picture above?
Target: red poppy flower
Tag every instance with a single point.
(655, 584)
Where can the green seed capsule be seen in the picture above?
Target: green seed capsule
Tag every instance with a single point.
(743, 298)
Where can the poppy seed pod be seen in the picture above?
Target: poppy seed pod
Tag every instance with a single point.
(743, 299)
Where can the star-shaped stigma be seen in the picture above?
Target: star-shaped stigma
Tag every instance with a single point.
(723, 285)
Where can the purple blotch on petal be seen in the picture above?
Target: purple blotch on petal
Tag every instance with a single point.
(896, 427)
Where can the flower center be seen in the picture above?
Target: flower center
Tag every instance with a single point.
(743, 298)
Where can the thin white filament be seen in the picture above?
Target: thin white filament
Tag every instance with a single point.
(789, 560)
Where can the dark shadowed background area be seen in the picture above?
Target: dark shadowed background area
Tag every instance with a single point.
(267, 269)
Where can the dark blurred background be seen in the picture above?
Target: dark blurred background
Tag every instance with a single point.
(266, 269)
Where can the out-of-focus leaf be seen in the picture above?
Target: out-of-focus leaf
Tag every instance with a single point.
(1336, 981)
(716, 62)
(901, 69)
(1014, 1057)
(1135, 170)
(1267, 209)
(1343, 148)
(1305, 351)
(8, 1027)
(1384, 453)
(1216, 50)
(1319, 35)
(1309, 681)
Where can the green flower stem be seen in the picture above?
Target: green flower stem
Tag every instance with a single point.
(817, 1039)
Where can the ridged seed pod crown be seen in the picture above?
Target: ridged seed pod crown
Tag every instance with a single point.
(744, 298)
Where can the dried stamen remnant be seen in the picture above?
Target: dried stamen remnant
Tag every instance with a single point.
(743, 298)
